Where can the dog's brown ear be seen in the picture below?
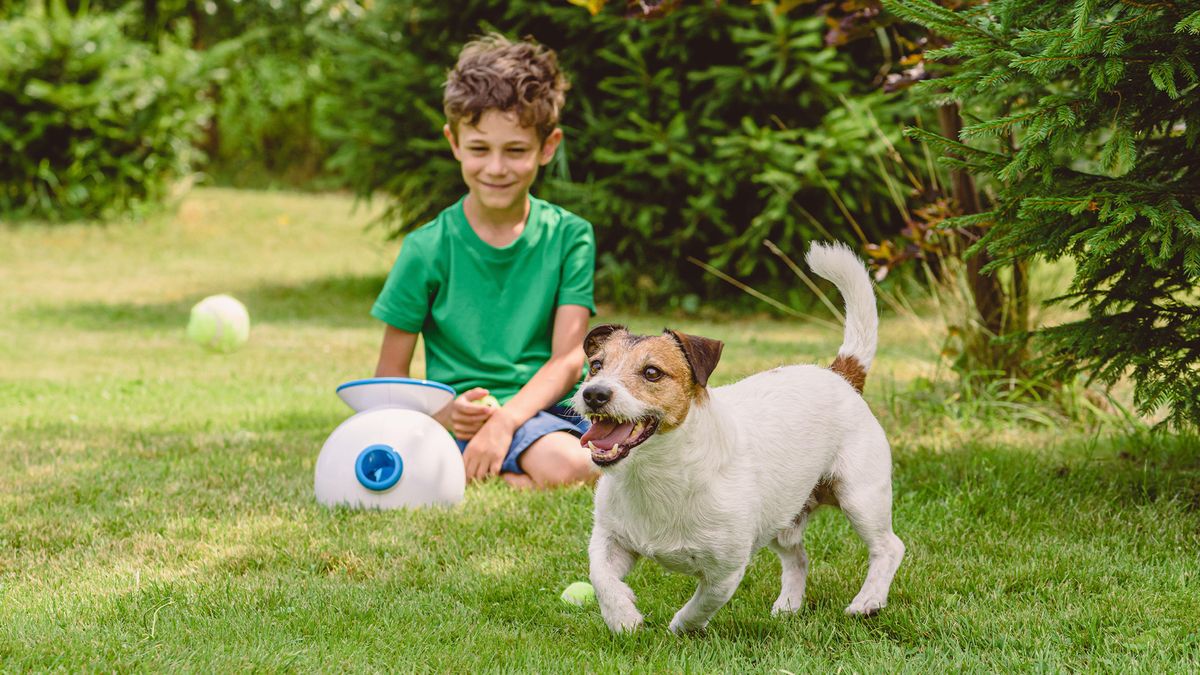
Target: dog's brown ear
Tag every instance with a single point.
(702, 354)
(598, 336)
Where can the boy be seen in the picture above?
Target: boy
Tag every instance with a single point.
(500, 283)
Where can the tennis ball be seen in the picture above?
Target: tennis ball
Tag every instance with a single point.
(489, 400)
(220, 323)
(579, 593)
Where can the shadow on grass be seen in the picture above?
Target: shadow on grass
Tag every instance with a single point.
(333, 301)
(1115, 473)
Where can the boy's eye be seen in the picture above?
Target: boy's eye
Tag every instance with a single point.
(594, 366)
(653, 374)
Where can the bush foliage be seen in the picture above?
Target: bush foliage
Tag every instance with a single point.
(261, 133)
(93, 124)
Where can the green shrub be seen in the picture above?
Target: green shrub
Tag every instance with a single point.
(1087, 129)
(264, 117)
(92, 123)
(702, 133)
(261, 132)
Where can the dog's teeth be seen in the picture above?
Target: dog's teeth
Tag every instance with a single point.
(591, 446)
(616, 448)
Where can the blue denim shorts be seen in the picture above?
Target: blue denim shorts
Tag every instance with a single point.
(556, 418)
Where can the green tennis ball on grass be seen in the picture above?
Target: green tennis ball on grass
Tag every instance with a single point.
(220, 323)
(579, 594)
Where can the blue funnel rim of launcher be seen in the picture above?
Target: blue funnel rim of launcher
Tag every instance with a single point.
(378, 467)
(424, 396)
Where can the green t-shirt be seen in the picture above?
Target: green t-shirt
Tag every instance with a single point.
(487, 313)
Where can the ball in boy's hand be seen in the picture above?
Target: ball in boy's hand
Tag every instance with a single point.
(489, 400)
(220, 323)
(579, 594)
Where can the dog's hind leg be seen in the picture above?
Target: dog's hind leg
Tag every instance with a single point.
(711, 594)
(865, 496)
(789, 546)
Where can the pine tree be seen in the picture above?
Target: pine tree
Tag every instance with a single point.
(1084, 122)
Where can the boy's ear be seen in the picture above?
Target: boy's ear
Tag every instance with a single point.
(550, 145)
(449, 134)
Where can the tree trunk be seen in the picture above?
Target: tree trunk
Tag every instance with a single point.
(998, 314)
(985, 290)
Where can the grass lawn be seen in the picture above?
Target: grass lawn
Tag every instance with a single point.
(157, 512)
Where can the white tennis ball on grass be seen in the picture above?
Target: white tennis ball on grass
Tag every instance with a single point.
(220, 323)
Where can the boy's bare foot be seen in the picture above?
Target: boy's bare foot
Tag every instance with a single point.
(518, 481)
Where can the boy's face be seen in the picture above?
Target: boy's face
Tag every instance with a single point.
(500, 158)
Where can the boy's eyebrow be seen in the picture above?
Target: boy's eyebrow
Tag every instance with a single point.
(478, 142)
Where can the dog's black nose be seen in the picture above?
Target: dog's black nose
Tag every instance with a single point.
(597, 395)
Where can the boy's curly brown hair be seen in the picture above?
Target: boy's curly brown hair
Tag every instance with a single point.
(495, 73)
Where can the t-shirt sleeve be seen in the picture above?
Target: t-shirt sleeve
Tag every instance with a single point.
(579, 266)
(408, 292)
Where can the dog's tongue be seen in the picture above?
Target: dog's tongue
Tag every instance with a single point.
(605, 434)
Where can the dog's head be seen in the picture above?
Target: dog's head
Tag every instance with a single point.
(640, 385)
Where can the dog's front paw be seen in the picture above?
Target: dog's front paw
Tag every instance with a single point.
(787, 604)
(624, 622)
(681, 627)
(866, 605)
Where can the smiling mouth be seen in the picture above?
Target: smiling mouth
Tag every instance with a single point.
(610, 439)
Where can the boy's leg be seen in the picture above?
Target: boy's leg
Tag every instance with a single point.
(555, 459)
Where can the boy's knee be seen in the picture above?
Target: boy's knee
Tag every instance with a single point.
(557, 461)
(571, 469)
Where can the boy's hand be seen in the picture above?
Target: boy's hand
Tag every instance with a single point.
(485, 453)
(467, 416)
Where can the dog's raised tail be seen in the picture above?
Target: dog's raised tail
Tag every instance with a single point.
(837, 263)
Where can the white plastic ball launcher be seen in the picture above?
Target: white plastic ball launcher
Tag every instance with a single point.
(391, 453)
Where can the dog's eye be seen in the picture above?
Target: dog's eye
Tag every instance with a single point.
(653, 374)
(594, 367)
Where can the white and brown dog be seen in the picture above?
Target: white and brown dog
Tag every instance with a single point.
(700, 479)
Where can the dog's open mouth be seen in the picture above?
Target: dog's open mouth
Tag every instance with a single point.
(610, 439)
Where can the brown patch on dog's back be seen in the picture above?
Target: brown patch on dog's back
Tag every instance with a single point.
(850, 370)
(823, 494)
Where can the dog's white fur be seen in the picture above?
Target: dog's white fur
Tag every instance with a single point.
(743, 471)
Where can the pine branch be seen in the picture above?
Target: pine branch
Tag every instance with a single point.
(1083, 11)
(938, 19)
(1189, 24)
(949, 145)
(995, 127)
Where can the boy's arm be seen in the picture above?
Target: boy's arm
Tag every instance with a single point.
(564, 368)
(395, 360)
(485, 453)
(395, 355)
